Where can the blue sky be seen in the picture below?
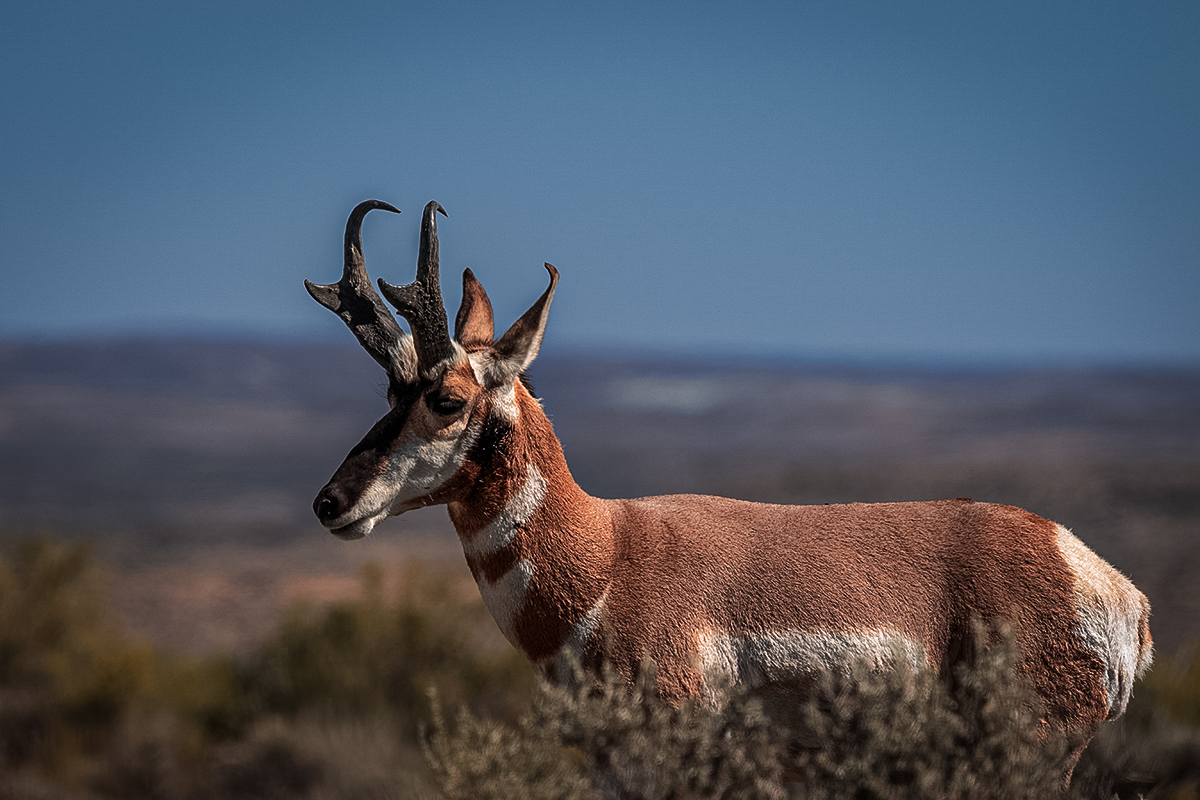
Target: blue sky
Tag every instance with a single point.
(943, 181)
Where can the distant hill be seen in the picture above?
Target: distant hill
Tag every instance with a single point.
(171, 445)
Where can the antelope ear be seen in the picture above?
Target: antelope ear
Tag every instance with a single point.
(474, 327)
(519, 345)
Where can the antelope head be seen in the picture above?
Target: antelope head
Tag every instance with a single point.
(440, 390)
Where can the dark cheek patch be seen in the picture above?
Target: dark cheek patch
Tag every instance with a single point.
(387, 430)
(368, 459)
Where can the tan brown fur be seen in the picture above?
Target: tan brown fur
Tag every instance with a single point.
(681, 564)
(569, 538)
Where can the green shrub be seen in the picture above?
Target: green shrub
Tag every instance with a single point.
(55, 634)
(369, 656)
(66, 672)
(1154, 749)
(1173, 683)
(83, 708)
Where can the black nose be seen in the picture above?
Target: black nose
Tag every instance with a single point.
(328, 504)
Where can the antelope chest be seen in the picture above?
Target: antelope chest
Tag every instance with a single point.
(502, 571)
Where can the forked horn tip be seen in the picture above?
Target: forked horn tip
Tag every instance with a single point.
(399, 296)
(320, 292)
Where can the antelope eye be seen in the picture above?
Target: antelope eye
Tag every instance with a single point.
(446, 406)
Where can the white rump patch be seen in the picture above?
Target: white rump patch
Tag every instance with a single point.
(501, 531)
(761, 658)
(1110, 609)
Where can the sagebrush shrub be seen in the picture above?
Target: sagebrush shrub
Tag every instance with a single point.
(597, 736)
(894, 734)
(904, 733)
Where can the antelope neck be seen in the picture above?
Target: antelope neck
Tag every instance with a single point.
(539, 547)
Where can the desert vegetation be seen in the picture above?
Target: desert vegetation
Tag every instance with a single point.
(400, 693)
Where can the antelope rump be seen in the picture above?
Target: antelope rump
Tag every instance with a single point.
(755, 593)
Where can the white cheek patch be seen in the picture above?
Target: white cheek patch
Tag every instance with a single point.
(1109, 610)
(420, 466)
(416, 468)
(501, 531)
(506, 594)
(761, 658)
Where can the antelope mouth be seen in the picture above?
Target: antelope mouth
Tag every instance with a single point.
(357, 529)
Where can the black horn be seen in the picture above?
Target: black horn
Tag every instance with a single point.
(354, 300)
(420, 302)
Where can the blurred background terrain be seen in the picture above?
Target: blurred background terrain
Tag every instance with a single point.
(191, 465)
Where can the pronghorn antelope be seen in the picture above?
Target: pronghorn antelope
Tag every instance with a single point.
(756, 593)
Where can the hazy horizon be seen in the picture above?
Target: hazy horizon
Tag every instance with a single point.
(693, 357)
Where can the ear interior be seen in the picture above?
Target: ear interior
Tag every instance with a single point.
(519, 345)
(474, 326)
